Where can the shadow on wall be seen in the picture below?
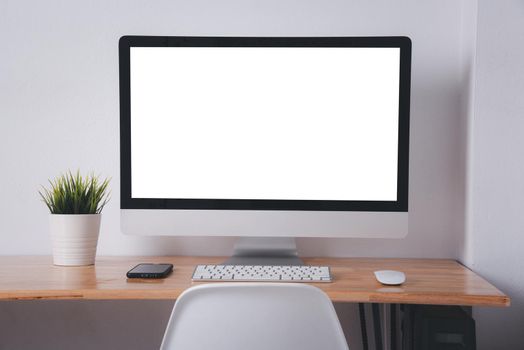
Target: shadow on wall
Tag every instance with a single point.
(75, 324)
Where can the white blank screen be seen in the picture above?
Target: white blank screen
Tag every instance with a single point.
(264, 123)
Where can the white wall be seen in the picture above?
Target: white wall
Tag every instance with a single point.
(59, 110)
(60, 106)
(496, 220)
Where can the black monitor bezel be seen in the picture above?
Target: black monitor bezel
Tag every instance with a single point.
(127, 202)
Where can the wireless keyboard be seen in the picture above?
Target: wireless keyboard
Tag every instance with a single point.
(262, 273)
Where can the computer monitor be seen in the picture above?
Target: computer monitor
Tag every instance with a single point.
(265, 136)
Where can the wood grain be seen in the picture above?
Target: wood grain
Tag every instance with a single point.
(438, 282)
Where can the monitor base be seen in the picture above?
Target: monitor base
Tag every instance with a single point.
(265, 251)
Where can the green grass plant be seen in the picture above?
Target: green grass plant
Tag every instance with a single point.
(76, 194)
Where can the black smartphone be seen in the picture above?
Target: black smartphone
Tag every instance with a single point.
(150, 271)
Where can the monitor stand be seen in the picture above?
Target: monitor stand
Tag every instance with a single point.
(265, 251)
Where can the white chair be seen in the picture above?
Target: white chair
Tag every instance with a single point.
(252, 316)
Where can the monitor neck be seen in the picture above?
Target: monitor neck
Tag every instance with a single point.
(265, 251)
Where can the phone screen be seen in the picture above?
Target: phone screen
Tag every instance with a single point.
(151, 268)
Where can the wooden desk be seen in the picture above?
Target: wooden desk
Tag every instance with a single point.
(437, 282)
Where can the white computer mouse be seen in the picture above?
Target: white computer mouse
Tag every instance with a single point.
(390, 277)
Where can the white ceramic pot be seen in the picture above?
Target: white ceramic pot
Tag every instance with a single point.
(74, 238)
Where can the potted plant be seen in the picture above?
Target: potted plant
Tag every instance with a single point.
(75, 203)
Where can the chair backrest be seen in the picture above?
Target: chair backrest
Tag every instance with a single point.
(252, 316)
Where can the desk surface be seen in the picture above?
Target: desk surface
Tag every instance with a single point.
(439, 282)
